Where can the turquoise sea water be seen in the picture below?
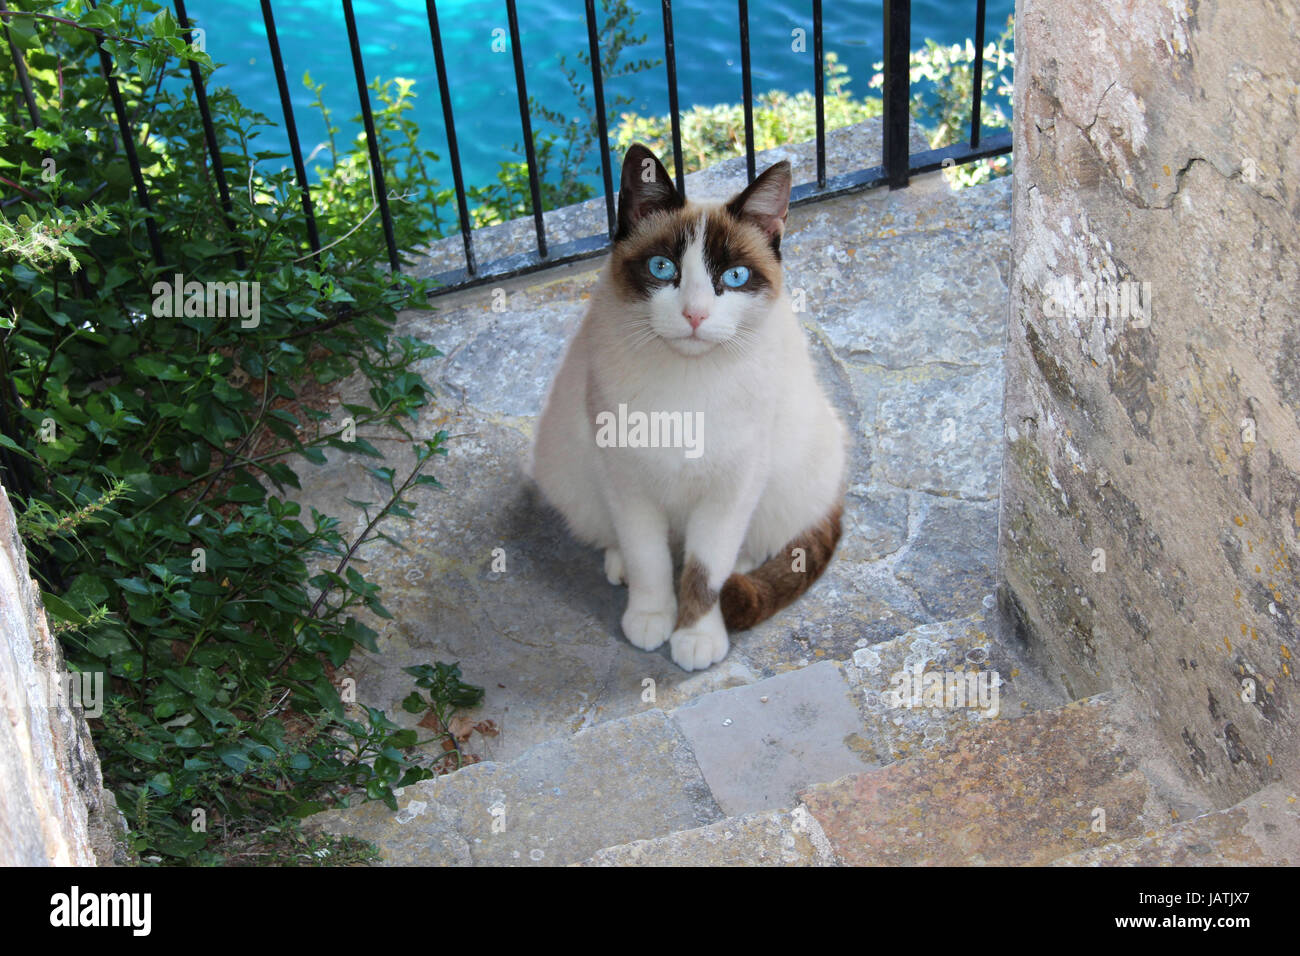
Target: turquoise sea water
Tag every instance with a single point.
(395, 42)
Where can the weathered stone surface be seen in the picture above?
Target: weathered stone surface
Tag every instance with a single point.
(1262, 830)
(898, 719)
(875, 524)
(1014, 792)
(1166, 445)
(937, 430)
(54, 810)
(560, 802)
(759, 744)
(767, 838)
(949, 564)
(947, 314)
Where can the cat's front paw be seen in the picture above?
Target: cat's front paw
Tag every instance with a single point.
(615, 573)
(701, 644)
(648, 628)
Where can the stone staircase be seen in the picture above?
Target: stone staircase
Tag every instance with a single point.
(819, 767)
(731, 757)
(791, 751)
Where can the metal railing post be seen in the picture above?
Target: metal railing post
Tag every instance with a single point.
(291, 128)
(897, 92)
(372, 141)
(530, 152)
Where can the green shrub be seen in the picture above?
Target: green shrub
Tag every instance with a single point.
(711, 134)
(153, 455)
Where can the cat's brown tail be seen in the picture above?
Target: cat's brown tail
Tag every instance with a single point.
(748, 599)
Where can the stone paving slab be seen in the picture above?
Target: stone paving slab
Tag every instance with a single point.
(766, 838)
(1014, 792)
(759, 744)
(1262, 830)
(558, 803)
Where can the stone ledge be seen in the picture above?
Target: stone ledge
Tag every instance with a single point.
(848, 149)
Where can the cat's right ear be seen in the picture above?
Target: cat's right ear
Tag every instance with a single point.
(646, 188)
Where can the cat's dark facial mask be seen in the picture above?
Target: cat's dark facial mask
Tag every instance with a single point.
(697, 276)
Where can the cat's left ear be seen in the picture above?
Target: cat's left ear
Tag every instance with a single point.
(646, 188)
(766, 201)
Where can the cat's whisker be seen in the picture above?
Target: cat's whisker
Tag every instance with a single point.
(642, 334)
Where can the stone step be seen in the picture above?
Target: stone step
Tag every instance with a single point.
(734, 751)
(557, 803)
(999, 792)
(893, 672)
(730, 753)
(766, 838)
(1262, 830)
(1013, 792)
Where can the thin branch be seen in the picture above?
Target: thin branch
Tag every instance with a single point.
(71, 23)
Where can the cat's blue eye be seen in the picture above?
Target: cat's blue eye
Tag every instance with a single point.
(735, 277)
(661, 267)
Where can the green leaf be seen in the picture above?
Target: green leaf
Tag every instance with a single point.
(7, 442)
(57, 608)
(151, 366)
(98, 18)
(246, 492)
(233, 756)
(403, 739)
(188, 738)
(86, 591)
(147, 751)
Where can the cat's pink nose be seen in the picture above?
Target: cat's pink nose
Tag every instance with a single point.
(694, 316)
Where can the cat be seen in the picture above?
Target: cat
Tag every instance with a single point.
(686, 415)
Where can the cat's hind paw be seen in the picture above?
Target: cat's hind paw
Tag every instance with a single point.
(702, 644)
(648, 628)
(615, 573)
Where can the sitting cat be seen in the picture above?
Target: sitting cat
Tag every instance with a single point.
(689, 328)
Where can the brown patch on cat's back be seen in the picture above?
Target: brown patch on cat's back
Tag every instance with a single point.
(731, 240)
(662, 233)
(694, 596)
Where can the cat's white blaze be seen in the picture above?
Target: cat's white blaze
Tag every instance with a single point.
(694, 294)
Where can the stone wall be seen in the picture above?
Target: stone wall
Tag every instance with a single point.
(1151, 481)
(53, 806)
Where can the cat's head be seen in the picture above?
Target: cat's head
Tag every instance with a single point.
(697, 276)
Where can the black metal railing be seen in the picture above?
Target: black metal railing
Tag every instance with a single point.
(897, 163)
